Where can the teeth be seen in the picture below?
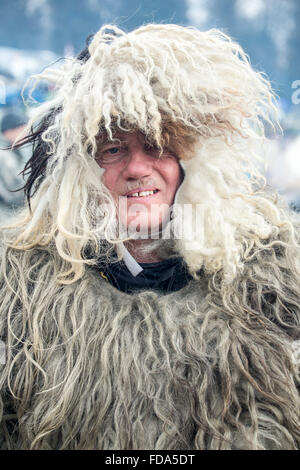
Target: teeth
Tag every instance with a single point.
(146, 193)
(142, 193)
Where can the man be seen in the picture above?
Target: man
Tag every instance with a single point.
(150, 293)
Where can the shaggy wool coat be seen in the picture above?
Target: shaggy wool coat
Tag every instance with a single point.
(90, 367)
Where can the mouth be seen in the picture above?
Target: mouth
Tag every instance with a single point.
(141, 193)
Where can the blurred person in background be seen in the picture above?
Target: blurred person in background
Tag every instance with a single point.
(12, 163)
(113, 340)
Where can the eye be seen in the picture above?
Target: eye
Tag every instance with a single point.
(112, 150)
(152, 150)
(110, 154)
(157, 152)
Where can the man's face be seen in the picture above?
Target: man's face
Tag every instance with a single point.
(142, 182)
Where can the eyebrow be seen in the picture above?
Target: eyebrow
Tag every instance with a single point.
(112, 142)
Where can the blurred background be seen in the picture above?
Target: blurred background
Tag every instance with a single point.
(36, 33)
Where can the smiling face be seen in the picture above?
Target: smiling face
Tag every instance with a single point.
(142, 181)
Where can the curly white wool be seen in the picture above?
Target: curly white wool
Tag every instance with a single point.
(200, 80)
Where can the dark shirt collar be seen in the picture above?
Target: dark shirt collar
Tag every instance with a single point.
(165, 276)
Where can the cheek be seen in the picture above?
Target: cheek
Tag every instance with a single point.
(173, 177)
(109, 180)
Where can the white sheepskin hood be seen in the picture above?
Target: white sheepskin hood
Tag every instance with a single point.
(172, 83)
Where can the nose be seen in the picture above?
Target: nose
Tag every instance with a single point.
(138, 165)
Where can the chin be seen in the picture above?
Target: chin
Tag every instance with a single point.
(138, 232)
